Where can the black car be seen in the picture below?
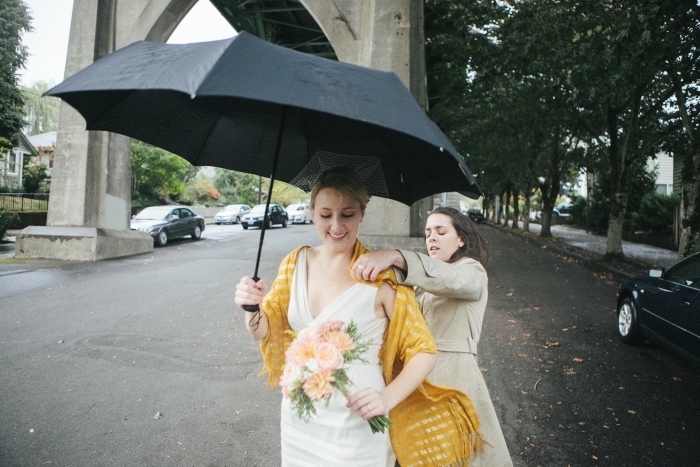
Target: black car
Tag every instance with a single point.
(663, 307)
(476, 215)
(166, 222)
(276, 216)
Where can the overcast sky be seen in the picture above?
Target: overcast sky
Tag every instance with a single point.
(48, 43)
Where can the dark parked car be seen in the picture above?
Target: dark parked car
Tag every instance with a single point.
(476, 215)
(663, 307)
(277, 216)
(166, 222)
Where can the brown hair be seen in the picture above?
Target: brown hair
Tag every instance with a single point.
(474, 246)
(343, 179)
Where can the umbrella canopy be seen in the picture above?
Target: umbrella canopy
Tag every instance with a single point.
(242, 103)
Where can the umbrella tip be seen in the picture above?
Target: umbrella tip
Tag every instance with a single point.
(442, 149)
(193, 95)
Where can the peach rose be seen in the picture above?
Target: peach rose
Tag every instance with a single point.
(328, 356)
(319, 385)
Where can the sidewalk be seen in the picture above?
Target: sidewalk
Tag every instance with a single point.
(591, 248)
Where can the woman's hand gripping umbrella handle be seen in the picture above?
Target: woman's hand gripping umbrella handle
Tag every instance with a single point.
(252, 308)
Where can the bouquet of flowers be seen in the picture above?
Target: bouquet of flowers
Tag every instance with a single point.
(314, 367)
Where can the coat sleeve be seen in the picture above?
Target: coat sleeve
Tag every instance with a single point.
(465, 279)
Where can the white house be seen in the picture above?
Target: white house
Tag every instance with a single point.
(11, 163)
(663, 164)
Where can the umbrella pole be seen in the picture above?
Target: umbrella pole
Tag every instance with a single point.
(280, 133)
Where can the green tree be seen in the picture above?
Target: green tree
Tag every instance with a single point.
(236, 187)
(14, 21)
(41, 113)
(33, 176)
(157, 176)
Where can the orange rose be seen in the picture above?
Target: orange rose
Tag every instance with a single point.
(301, 350)
(340, 340)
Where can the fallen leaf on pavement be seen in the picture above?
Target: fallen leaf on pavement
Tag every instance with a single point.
(158, 416)
(578, 360)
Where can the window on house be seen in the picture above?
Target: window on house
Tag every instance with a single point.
(12, 163)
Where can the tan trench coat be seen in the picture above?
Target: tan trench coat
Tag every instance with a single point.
(453, 298)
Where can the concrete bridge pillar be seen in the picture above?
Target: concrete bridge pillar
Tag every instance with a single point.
(385, 35)
(90, 203)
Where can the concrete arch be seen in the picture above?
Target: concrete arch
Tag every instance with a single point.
(90, 202)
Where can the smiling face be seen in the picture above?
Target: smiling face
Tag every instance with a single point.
(337, 217)
(441, 238)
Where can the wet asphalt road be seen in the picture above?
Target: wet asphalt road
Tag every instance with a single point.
(91, 353)
(567, 390)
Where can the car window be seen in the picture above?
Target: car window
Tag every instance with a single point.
(153, 213)
(686, 273)
(186, 213)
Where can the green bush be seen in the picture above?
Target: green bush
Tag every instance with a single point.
(6, 220)
(655, 214)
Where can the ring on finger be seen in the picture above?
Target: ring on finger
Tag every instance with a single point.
(369, 408)
(360, 267)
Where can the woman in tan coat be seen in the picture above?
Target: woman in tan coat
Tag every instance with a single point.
(452, 289)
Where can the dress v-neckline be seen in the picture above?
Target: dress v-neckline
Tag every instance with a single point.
(332, 305)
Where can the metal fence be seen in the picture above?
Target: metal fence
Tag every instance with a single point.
(24, 201)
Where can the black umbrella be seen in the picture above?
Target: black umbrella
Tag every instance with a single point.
(251, 106)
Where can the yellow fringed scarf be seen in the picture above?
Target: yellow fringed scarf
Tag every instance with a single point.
(435, 425)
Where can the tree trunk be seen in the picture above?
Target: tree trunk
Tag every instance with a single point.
(690, 178)
(690, 214)
(618, 166)
(507, 205)
(526, 211)
(616, 222)
(516, 210)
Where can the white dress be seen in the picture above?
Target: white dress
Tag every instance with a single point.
(337, 436)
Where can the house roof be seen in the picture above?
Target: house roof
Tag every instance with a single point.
(43, 139)
(26, 146)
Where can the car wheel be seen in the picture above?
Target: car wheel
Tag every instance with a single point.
(197, 232)
(245, 226)
(238, 220)
(162, 238)
(269, 223)
(627, 326)
(284, 222)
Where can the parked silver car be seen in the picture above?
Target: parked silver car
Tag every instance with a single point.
(231, 214)
(166, 222)
(299, 214)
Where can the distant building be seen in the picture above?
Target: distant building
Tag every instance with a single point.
(12, 163)
(45, 144)
(663, 164)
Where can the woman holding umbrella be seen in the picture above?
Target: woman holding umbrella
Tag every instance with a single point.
(315, 285)
(452, 289)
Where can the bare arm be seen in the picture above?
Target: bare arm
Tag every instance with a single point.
(249, 292)
(369, 403)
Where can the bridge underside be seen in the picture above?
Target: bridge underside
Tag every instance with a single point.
(283, 22)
